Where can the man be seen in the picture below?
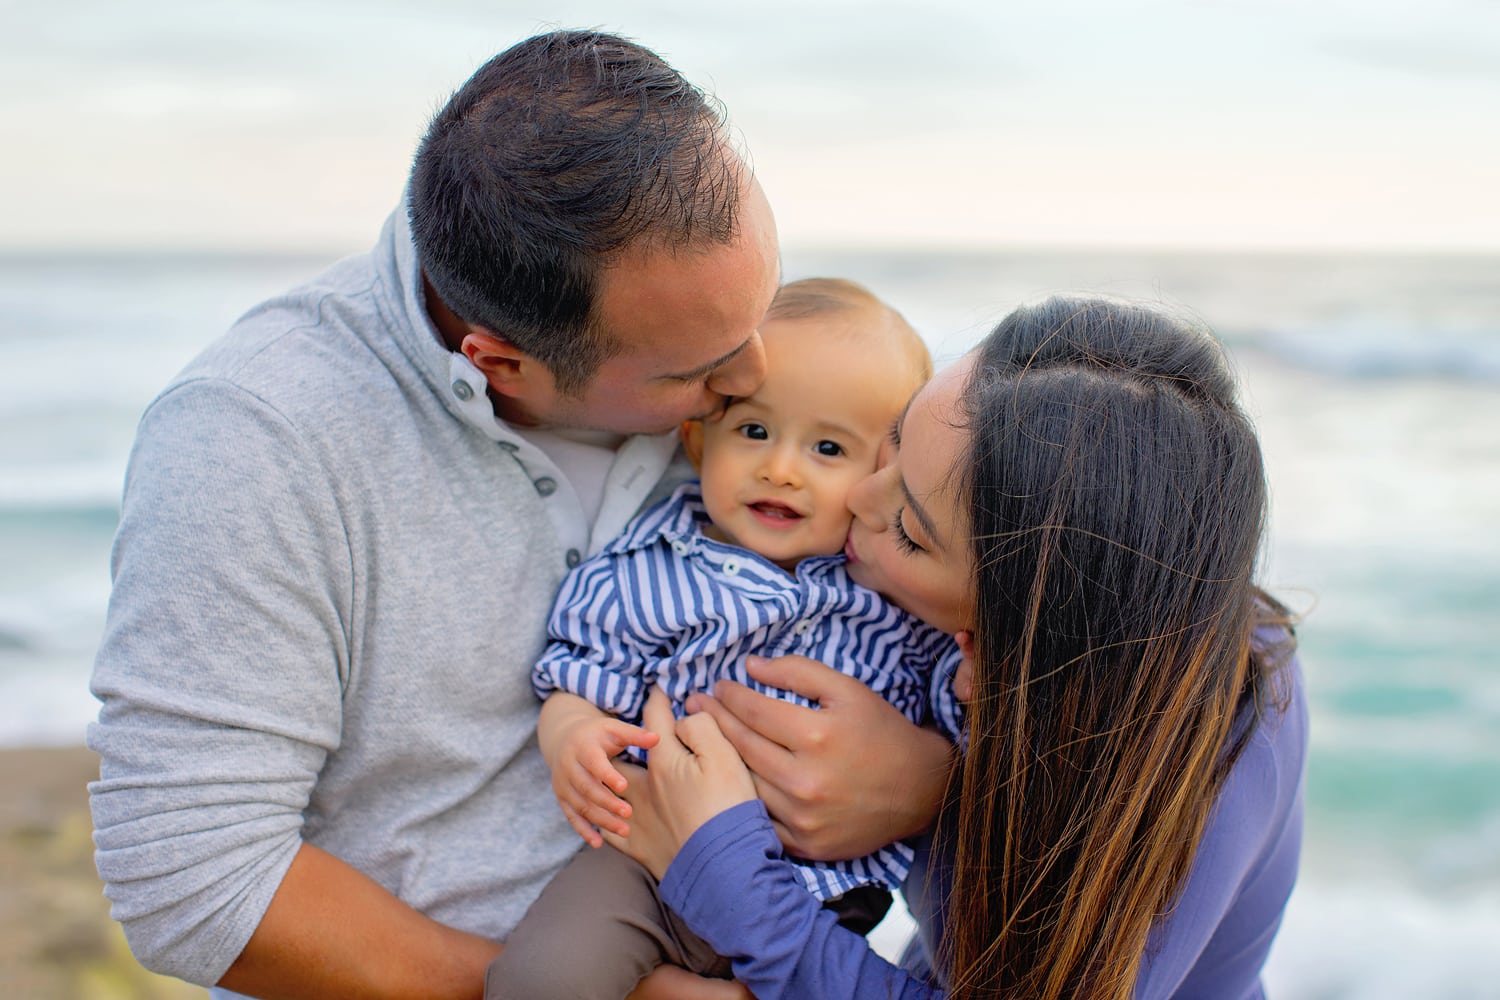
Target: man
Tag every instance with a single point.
(344, 523)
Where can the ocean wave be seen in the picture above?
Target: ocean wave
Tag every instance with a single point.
(45, 702)
(1386, 942)
(1379, 350)
(1370, 941)
(67, 490)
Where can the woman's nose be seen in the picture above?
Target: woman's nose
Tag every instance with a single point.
(864, 498)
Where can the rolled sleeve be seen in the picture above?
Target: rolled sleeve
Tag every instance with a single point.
(221, 674)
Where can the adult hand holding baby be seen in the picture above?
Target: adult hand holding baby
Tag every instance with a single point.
(695, 774)
(840, 780)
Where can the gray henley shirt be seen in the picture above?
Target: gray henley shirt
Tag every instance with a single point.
(331, 579)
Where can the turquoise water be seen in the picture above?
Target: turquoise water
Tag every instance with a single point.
(1375, 382)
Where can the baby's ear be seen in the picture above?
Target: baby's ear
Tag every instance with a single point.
(691, 432)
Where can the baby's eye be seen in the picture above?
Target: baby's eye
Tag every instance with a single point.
(829, 449)
(754, 431)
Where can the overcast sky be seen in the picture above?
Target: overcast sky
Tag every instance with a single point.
(1246, 123)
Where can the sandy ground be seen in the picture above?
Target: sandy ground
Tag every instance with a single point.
(56, 939)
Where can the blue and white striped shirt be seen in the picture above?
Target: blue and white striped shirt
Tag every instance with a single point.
(945, 710)
(665, 605)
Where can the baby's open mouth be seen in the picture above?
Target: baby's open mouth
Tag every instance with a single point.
(775, 511)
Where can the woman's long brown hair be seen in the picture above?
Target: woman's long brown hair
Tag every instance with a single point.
(1117, 502)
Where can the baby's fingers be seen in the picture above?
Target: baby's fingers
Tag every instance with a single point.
(623, 734)
(599, 771)
(581, 826)
(603, 820)
(587, 816)
(586, 791)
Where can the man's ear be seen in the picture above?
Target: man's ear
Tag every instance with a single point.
(505, 366)
(691, 433)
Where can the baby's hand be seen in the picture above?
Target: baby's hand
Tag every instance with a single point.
(584, 777)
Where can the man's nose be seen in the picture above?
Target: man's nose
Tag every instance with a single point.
(743, 373)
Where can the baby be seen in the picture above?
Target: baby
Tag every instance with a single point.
(748, 560)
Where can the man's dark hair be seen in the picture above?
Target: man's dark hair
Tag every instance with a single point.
(556, 155)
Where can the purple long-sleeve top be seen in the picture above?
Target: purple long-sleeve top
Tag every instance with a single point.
(730, 884)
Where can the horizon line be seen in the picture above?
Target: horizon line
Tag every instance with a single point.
(13, 253)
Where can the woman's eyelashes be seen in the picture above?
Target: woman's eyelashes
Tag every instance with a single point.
(904, 542)
(885, 453)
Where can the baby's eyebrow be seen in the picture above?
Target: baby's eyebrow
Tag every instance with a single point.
(837, 429)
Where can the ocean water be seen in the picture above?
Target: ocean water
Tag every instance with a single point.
(1374, 380)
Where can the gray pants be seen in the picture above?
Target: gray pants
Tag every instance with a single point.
(600, 926)
(595, 931)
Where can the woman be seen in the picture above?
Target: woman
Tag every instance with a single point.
(1082, 499)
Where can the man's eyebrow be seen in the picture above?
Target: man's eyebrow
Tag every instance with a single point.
(703, 370)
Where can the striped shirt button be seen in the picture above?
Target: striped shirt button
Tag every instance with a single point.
(731, 566)
(679, 546)
(803, 627)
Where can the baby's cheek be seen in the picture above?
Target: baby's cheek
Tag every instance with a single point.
(839, 522)
(832, 531)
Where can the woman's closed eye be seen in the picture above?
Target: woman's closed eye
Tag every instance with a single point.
(904, 542)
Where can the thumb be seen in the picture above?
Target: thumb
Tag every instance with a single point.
(702, 735)
(716, 761)
(657, 717)
(814, 681)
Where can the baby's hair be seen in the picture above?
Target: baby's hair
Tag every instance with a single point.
(811, 298)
